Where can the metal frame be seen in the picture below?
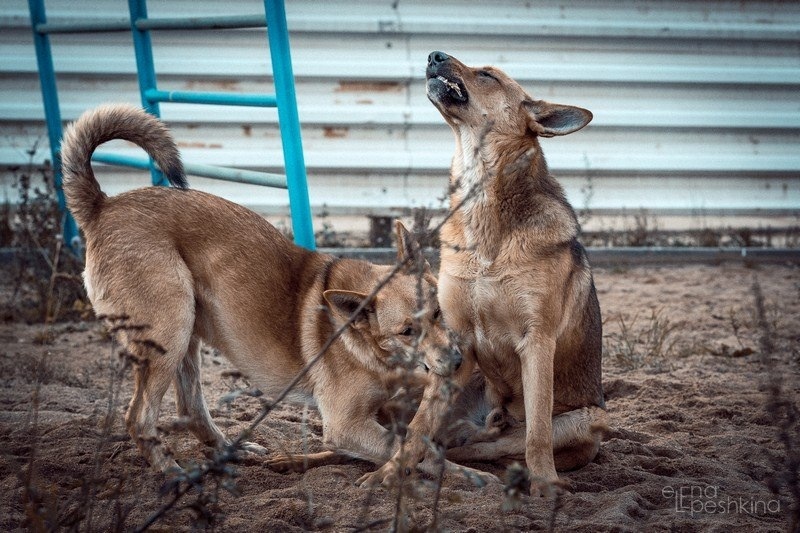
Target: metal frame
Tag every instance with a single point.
(140, 26)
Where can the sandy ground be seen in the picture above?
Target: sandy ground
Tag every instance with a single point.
(696, 440)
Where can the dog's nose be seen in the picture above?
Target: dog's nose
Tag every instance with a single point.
(434, 58)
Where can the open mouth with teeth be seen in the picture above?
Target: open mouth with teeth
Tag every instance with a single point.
(441, 87)
(451, 86)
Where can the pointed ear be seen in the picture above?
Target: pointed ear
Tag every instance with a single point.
(344, 303)
(548, 120)
(408, 247)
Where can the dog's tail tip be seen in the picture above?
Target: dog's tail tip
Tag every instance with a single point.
(176, 176)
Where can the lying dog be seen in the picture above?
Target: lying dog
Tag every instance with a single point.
(514, 281)
(186, 267)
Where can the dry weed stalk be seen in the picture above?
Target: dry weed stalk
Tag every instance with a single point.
(43, 510)
(40, 511)
(649, 345)
(46, 281)
(782, 408)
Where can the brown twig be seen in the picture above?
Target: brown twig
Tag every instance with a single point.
(53, 275)
(437, 495)
(782, 410)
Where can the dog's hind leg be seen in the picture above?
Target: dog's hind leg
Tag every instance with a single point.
(432, 466)
(576, 440)
(155, 367)
(577, 435)
(510, 444)
(303, 462)
(161, 311)
(192, 403)
(190, 400)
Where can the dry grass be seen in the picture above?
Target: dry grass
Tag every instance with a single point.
(46, 277)
(641, 342)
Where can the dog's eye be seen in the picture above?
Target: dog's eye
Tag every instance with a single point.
(408, 332)
(437, 314)
(486, 74)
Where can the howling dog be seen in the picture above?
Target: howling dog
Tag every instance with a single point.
(184, 267)
(514, 283)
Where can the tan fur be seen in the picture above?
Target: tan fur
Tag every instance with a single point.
(184, 267)
(514, 282)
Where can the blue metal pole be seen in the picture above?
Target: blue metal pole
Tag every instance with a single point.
(146, 70)
(252, 177)
(203, 23)
(79, 25)
(52, 113)
(299, 206)
(192, 97)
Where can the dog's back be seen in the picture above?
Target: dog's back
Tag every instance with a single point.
(171, 267)
(209, 258)
(172, 246)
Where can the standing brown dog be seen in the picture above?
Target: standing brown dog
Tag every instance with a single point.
(185, 267)
(514, 282)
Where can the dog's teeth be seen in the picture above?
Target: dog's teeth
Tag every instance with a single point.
(452, 85)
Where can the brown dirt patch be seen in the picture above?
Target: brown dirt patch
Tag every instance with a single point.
(695, 443)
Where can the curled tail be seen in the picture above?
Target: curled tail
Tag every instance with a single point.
(93, 128)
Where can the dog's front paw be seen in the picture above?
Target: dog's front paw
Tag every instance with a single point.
(480, 478)
(252, 447)
(498, 418)
(548, 484)
(548, 487)
(497, 421)
(386, 476)
(519, 481)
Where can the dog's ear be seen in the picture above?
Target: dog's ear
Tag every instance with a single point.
(408, 248)
(344, 303)
(548, 120)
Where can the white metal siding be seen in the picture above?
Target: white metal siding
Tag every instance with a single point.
(696, 103)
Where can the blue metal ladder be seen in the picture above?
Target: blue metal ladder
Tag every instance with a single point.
(140, 26)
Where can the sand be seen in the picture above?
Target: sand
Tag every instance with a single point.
(700, 439)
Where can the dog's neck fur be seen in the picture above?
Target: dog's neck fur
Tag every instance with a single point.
(502, 185)
(358, 276)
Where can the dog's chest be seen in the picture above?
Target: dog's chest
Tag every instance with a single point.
(495, 311)
(498, 326)
(469, 246)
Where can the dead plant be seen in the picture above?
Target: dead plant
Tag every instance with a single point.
(641, 342)
(784, 412)
(45, 276)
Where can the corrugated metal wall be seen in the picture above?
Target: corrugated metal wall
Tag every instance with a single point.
(696, 103)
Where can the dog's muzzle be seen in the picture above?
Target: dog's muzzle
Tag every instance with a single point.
(442, 84)
(448, 361)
